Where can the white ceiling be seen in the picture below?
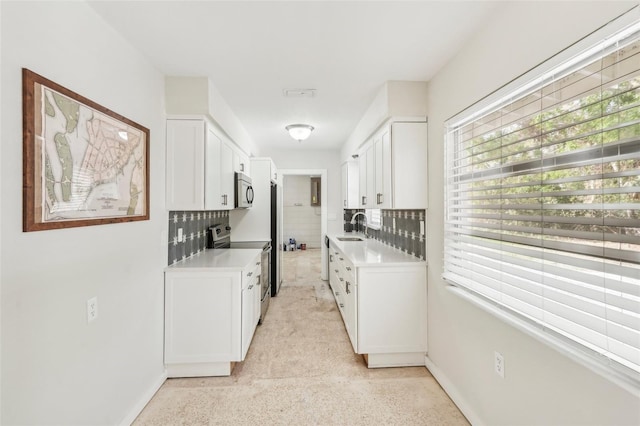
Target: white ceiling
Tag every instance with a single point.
(251, 51)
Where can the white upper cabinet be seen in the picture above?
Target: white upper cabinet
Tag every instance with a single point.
(241, 163)
(274, 172)
(200, 166)
(383, 178)
(393, 168)
(350, 185)
(185, 164)
(366, 170)
(409, 181)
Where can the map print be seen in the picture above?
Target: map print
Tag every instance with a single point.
(94, 165)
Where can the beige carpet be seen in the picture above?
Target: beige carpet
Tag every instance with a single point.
(301, 370)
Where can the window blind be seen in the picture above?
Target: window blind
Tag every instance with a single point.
(374, 218)
(543, 201)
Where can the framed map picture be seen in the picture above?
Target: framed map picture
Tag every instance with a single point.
(82, 163)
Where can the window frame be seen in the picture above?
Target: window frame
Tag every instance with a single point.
(578, 53)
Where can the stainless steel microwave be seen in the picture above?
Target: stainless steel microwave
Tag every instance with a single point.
(243, 191)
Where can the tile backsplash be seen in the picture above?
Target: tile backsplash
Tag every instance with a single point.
(406, 236)
(194, 226)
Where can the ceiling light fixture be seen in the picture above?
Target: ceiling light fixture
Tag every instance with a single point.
(299, 132)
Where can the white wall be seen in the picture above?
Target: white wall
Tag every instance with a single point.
(541, 386)
(301, 219)
(56, 368)
(330, 160)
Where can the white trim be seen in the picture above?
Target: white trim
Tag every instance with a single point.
(622, 380)
(324, 273)
(144, 400)
(453, 393)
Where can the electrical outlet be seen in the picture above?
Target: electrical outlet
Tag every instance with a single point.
(180, 235)
(498, 363)
(92, 309)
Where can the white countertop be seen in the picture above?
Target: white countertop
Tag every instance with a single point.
(218, 260)
(371, 252)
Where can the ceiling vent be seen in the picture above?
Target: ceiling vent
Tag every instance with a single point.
(299, 93)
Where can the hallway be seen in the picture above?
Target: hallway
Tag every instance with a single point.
(301, 370)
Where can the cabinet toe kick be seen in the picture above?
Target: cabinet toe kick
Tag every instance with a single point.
(410, 359)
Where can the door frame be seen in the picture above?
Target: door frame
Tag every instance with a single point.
(324, 252)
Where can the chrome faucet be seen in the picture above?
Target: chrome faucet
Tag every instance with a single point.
(353, 222)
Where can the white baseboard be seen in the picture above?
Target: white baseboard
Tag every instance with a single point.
(144, 400)
(453, 393)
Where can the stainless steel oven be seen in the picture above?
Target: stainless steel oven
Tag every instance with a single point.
(219, 236)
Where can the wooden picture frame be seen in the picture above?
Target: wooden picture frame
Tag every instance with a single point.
(83, 164)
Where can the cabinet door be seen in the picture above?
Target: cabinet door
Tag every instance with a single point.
(214, 198)
(409, 144)
(258, 299)
(202, 317)
(248, 314)
(351, 311)
(366, 172)
(350, 185)
(383, 178)
(333, 269)
(344, 184)
(392, 319)
(362, 179)
(185, 164)
(250, 301)
(240, 162)
(227, 176)
(258, 288)
(274, 172)
(371, 178)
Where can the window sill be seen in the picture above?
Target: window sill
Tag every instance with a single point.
(562, 345)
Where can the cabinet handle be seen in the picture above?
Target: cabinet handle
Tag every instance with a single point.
(342, 259)
(250, 287)
(257, 263)
(342, 305)
(337, 293)
(222, 202)
(330, 258)
(258, 280)
(348, 268)
(344, 203)
(249, 274)
(364, 200)
(336, 271)
(226, 199)
(275, 175)
(341, 279)
(347, 288)
(242, 167)
(380, 198)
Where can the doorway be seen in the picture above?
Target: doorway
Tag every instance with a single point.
(298, 195)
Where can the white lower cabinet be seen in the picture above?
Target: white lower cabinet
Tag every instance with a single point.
(210, 319)
(384, 309)
(250, 306)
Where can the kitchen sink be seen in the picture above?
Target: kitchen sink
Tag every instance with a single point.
(350, 239)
